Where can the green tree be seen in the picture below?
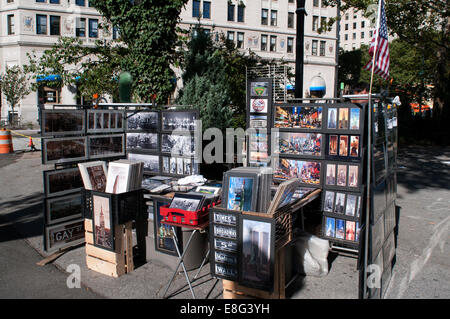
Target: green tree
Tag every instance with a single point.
(145, 48)
(423, 25)
(14, 85)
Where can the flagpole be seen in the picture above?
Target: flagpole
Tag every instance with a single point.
(369, 157)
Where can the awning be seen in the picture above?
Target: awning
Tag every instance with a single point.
(51, 77)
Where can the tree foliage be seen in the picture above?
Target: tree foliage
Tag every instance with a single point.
(145, 48)
(423, 26)
(14, 85)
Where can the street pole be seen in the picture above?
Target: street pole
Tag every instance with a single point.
(299, 48)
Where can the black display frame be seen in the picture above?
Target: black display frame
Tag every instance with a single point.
(156, 150)
(195, 112)
(157, 218)
(46, 141)
(131, 113)
(276, 148)
(301, 159)
(46, 182)
(48, 220)
(91, 137)
(95, 130)
(65, 113)
(255, 188)
(348, 131)
(298, 129)
(360, 184)
(147, 171)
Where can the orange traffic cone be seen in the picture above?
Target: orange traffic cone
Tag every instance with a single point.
(31, 145)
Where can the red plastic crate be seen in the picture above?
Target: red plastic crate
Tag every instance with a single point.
(185, 217)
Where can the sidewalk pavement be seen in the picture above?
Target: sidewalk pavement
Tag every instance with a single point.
(422, 269)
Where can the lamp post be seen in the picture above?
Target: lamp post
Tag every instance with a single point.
(299, 48)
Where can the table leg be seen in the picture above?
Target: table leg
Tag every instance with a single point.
(181, 257)
(203, 263)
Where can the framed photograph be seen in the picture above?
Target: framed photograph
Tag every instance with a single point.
(350, 230)
(340, 229)
(164, 237)
(240, 191)
(63, 235)
(354, 146)
(341, 177)
(258, 121)
(355, 115)
(63, 122)
(333, 145)
(106, 145)
(189, 202)
(64, 150)
(308, 171)
(258, 252)
(284, 195)
(332, 118)
(102, 222)
(94, 175)
(178, 145)
(179, 120)
(299, 144)
(353, 176)
(305, 117)
(64, 208)
(102, 121)
(328, 203)
(151, 162)
(62, 181)
(259, 88)
(138, 120)
(143, 142)
(259, 106)
(330, 227)
(173, 166)
(187, 166)
(165, 164)
(343, 145)
(339, 206)
(331, 174)
(350, 206)
(343, 119)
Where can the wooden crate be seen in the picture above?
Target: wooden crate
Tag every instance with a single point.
(110, 263)
(232, 290)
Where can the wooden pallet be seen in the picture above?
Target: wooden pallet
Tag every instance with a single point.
(110, 263)
(232, 290)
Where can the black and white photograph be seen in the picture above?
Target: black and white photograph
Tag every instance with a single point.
(187, 162)
(165, 165)
(60, 209)
(225, 231)
(328, 202)
(180, 166)
(225, 258)
(339, 206)
(143, 141)
(341, 179)
(101, 121)
(225, 218)
(142, 120)
(189, 202)
(178, 120)
(62, 181)
(225, 244)
(331, 174)
(350, 207)
(63, 150)
(182, 145)
(63, 122)
(151, 162)
(106, 145)
(225, 271)
(173, 165)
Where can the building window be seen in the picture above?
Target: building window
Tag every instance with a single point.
(370, 33)
(363, 24)
(81, 3)
(11, 29)
(290, 45)
(346, 16)
(231, 12)
(207, 9)
(9, 1)
(346, 37)
(240, 40)
(55, 25)
(273, 18)
(115, 33)
(291, 1)
(322, 48)
(323, 22)
(362, 35)
(314, 47)
(54, 1)
(40, 0)
(230, 36)
(354, 25)
(196, 8)
(273, 43)
(48, 95)
(315, 23)
(241, 13)
(346, 27)
(93, 28)
(354, 36)
(322, 4)
(41, 24)
(263, 42)
(315, 3)
(80, 27)
(291, 19)
(264, 16)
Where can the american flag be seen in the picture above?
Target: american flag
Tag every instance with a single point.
(381, 45)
